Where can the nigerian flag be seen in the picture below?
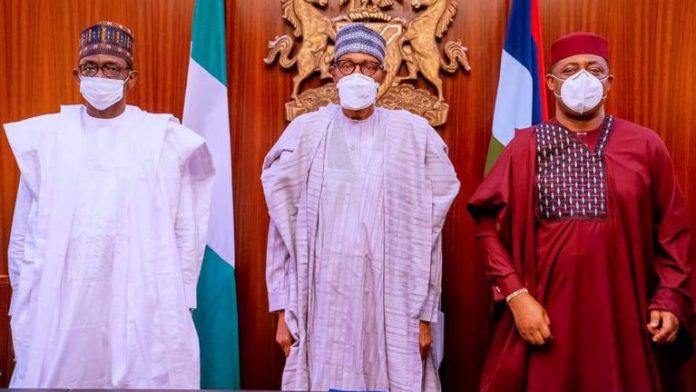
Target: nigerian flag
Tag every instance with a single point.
(206, 112)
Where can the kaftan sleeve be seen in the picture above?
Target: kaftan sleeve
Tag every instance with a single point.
(24, 138)
(185, 229)
(672, 239)
(277, 167)
(499, 267)
(277, 259)
(196, 172)
(489, 207)
(444, 187)
(16, 257)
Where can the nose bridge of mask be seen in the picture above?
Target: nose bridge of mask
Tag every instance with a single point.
(102, 81)
(364, 77)
(579, 74)
(585, 85)
(355, 78)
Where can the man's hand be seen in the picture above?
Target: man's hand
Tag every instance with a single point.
(663, 326)
(283, 335)
(425, 339)
(531, 319)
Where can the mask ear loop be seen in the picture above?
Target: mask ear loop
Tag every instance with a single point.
(557, 78)
(125, 81)
(602, 80)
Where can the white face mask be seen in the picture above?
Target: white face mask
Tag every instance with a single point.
(357, 91)
(101, 93)
(581, 92)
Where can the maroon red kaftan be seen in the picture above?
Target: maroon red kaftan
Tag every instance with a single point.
(595, 227)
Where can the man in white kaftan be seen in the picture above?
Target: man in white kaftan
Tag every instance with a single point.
(357, 197)
(108, 235)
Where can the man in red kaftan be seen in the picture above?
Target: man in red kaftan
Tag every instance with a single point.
(585, 234)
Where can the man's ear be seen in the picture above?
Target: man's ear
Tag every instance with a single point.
(609, 82)
(132, 80)
(380, 76)
(551, 82)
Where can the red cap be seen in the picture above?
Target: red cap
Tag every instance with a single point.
(579, 43)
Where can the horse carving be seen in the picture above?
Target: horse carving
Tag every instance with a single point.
(315, 29)
(419, 43)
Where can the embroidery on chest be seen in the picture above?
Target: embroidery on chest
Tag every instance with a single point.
(571, 181)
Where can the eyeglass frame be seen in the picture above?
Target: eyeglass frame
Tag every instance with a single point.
(102, 68)
(336, 64)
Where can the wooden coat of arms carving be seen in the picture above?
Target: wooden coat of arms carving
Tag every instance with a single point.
(413, 49)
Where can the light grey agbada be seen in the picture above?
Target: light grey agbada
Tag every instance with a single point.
(354, 249)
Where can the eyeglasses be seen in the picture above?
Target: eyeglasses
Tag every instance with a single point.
(367, 68)
(566, 72)
(110, 70)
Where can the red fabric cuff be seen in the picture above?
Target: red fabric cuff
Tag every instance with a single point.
(674, 302)
(506, 285)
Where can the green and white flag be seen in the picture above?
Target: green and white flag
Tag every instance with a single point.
(206, 112)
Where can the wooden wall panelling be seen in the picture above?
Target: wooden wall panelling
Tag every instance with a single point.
(654, 86)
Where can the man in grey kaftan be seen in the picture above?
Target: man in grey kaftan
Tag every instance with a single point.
(357, 197)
